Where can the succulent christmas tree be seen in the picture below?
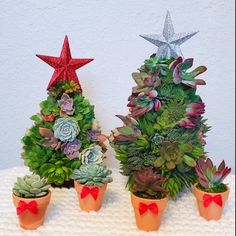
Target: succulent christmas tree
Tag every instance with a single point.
(164, 130)
(64, 134)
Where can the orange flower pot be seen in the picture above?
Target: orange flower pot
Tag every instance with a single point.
(27, 218)
(87, 201)
(211, 210)
(148, 212)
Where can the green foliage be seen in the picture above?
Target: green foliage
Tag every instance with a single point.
(50, 105)
(218, 189)
(92, 174)
(30, 186)
(169, 127)
(172, 113)
(50, 163)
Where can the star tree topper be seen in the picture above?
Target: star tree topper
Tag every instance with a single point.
(65, 66)
(169, 42)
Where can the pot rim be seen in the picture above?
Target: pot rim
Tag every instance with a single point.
(151, 200)
(203, 192)
(31, 199)
(77, 182)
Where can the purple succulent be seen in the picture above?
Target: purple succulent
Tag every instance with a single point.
(93, 134)
(66, 105)
(71, 149)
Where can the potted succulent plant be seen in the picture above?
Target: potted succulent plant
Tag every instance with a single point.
(211, 193)
(90, 183)
(31, 196)
(149, 198)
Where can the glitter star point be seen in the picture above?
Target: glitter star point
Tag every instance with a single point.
(169, 42)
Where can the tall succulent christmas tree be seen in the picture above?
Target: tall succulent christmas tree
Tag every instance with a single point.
(164, 131)
(64, 134)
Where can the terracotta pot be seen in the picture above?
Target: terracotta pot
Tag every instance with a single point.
(149, 220)
(27, 219)
(88, 203)
(213, 211)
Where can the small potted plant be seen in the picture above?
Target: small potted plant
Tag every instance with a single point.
(211, 193)
(149, 199)
(90, 182)
(31, 196)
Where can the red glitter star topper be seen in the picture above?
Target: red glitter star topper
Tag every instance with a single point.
(65, 66)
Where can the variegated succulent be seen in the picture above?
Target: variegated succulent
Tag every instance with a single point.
(92, 155)
(211, 177)
(30, 186)
(143, 103)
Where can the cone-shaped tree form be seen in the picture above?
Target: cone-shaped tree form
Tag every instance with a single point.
(165, 129)
(64, 134)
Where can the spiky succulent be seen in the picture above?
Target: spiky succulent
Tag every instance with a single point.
(210, 177)
(148, 184)
(92, 174)
(30, 186)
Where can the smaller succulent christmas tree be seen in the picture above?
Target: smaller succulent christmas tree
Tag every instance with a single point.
(65, 134)
(165, 130)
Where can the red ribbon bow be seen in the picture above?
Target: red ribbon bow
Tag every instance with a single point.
(207, 200)
(31, 206)
(151, 207)
(93, 191)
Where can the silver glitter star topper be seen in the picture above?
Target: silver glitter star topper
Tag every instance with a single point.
(169, 42)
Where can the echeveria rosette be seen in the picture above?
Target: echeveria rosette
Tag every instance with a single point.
(92, 175)
(71, 149)
(92, 155)
(66, 105)
(144, 103)
(66, 129)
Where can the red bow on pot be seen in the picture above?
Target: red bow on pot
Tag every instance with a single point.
(151, 207)
(93, 191)
(31, 206)
(208, 199)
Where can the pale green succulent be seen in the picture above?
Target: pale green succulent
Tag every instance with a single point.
(30, 186)
(92, 174)
(66, 129)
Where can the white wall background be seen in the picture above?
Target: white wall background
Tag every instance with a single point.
(108, 31)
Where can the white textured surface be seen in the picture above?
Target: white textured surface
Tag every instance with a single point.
(108, 31)
(116, 217)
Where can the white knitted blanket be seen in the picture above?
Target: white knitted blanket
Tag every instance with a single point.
(116, 218)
